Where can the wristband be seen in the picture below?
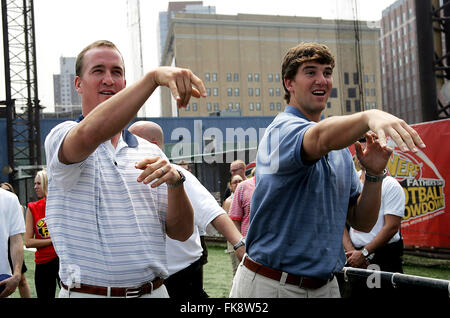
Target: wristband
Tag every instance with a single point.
(240, 243)
(376, 178)
(179, 182)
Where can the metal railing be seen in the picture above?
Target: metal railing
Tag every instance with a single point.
(397, 280)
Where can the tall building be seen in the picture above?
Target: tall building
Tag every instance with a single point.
(174, 7)
(399, 67)
(66, 97)
(239, 59)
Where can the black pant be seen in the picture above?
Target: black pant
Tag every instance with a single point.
(389, 259)
(45, 278)
(187, 283)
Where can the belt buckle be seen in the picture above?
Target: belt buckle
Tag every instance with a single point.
(137, 292)
(301, 282)
(133, 292)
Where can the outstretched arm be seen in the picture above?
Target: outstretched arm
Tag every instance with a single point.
(339, 132)
(109, 118)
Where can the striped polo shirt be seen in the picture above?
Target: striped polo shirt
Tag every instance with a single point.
(107, 228)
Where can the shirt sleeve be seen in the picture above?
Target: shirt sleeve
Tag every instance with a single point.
(236, 211)
(205, 206)
(17, 222)
(393, 197)
(64, 175)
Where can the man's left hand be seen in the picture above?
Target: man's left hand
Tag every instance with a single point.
(375, 157)
(157, 168)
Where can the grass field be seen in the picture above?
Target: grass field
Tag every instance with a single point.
(218, 274)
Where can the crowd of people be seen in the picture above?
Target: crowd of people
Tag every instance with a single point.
(115, 218)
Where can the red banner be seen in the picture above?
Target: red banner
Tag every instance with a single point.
(423, 176)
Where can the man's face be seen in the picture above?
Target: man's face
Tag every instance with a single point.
(237, 168)
(311, 87)
(102, 76)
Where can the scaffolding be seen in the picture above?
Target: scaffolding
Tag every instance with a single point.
(21, 106)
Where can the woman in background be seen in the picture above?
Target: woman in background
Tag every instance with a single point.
(37, 236)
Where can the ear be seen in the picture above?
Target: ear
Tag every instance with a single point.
(288, 84)
(77, 83)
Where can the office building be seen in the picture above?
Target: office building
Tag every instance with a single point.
(399, 67)
(66, 97)
(239, 59)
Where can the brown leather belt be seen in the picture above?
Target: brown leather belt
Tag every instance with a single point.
(131, 292)
(300, 281)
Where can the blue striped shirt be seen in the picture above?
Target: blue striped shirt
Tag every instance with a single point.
(107, 229)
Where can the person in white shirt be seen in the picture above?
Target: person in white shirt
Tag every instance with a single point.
(383, 245)
(184, 258)
(12, 226)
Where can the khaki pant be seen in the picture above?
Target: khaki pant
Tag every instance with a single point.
(247, 284)
(233, 257)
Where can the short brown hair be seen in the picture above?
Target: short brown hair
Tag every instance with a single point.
(304, 52)
(99, 43)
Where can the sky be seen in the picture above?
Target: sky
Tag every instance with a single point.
(65, 27)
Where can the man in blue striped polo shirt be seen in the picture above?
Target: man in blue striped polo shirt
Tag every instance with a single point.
(113, 198)
(307, 187)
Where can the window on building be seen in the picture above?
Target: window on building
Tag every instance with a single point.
(250, 91)
(346, 78)
(272, 106)
(258, 106)
(207, 77)
(270, 91)
(357, 105)
(348, 106)
(256, 76)
(216, 106)
(194, 107)
(251, 106)
(250, 77)
(238, 105)
(208, 91)
(277, 77)
(270, 77)
(334, 92)
(278, 106)
(228, 77)
(236, 92)
(230, 106)
(257, 91)
(229, 92)
(214, 77)
(236, 77)
(355, 78)
(352, 92)
(328, 104)
(208, 107)
(278, 92)
(215, 91)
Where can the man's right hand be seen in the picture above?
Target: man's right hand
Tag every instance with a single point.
(383, 124)
(182, 83)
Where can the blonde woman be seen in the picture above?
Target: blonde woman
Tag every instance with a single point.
(37, 236)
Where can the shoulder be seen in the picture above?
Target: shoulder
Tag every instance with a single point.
(391, 183)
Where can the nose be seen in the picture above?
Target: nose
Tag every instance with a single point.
(320, 79)
(108, 79)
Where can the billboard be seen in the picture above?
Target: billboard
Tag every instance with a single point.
(424, 177)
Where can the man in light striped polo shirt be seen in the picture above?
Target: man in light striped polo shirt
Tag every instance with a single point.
(112, 197)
